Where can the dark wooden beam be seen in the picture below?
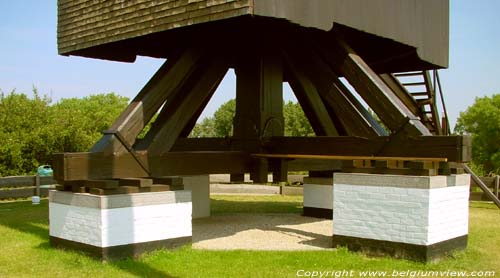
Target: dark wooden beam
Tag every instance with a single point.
(393, 113)
(179, 111)
(139, 112)
(259, 103)
(328, 85)
(259, 96)
(401, 92)
(436, 119)
(454, 148)
(309, 99)
(85, 166)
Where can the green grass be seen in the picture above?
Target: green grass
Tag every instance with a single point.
(25, 251)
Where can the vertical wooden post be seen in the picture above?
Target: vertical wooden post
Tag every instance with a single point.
(237, 178)
(259, 104)
(497, 184)
(37, 185)
(280, 173)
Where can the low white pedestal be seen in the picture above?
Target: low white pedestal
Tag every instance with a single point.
(412, 217)
(200, 192)
(318, 197)
(123, 225)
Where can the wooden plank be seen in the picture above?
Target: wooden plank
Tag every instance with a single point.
(174, 182)
(178, 111)
(103, 184)
(483, 187)
(393, 113)
(155, 188)
(22, 193)
(22, 181)
(454, 148)
(166, 81)
(340, 157)
(390, 171)
(115, 191)
(138, 182)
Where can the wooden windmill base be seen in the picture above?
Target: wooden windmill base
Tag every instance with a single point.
(264, 54)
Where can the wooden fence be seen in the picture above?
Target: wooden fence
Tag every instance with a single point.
(492, 183)
(25, 186)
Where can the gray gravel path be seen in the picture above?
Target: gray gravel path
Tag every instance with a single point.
(262, 232)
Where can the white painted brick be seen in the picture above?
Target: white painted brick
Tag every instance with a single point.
(319, 196)
(409, 215)
(120, 226)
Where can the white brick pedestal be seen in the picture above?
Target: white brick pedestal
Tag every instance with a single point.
(200, 192)
(412, 217)
(123, 225)
(318, 197)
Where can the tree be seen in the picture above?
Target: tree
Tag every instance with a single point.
(79, 122)
(221, 124)
(482, 122)
(32, 130)
(223, 119)
(204, 129)
(24, 131)
(296, 122)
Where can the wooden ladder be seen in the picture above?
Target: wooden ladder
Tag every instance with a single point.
(419, 85)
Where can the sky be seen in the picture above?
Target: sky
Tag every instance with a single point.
(28, 58)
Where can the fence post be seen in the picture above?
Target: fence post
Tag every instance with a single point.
(497, 184)
(37, 185)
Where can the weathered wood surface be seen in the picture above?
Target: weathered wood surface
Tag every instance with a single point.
(83, 24)
(23, 186)
(179, 110)
(83, 166)
(23, 193)
(345, 111)
(167, 81)
(86, 23)
(490, 195)
(310, 100)
(391, 110)
(454, 148)
(346, 157)
(24, 181)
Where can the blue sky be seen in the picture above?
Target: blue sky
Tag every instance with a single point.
(28, 57)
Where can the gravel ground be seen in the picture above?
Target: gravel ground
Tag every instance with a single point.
(262, 232)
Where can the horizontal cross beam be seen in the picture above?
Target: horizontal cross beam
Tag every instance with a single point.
(84, 166)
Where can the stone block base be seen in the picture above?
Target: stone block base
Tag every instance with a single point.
(318, 197)
(423, 253)
(200, 194)
(414, 217)
(118, 226)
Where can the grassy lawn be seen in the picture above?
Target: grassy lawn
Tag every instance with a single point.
(25, 251)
